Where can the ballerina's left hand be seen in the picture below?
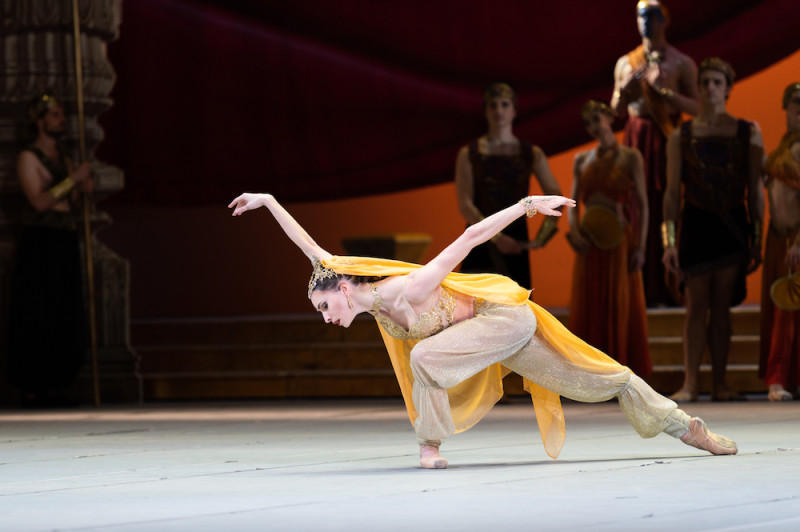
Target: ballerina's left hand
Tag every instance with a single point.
(548, 204)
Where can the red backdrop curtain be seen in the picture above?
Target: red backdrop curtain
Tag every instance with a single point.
(314, 99)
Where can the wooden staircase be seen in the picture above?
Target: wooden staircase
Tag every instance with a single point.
(262, 356)
(665, 327)
(293, 356)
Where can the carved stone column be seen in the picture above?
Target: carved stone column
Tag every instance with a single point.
(37, 53)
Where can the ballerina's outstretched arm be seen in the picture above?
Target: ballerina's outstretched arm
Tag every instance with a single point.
(423, 281)
(295, 232)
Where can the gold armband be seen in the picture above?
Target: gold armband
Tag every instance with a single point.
(547, 231)
(667, 93)
(668, 234)
(529, 205)
(62, 189)
(756, 234)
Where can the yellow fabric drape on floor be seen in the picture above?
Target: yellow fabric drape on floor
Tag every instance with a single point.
(473, 398)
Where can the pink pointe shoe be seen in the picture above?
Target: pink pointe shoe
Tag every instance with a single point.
(429, 457)
(700, 437)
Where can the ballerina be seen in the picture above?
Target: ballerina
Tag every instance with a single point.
(452, 337)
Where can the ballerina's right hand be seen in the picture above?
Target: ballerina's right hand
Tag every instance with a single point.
(548, 204)
(247, 202)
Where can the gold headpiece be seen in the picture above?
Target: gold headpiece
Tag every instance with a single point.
(644, 5)
(785, 292)
(499, 90)
(715, 63)
(320, 272)
(40, 104)
(787, 93)
(596, 106)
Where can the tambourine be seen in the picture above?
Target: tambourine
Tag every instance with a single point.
(602, 226)
(785, 292)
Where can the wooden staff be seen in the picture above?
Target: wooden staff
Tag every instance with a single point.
(87, 215)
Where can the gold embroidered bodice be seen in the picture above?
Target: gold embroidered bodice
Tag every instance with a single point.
(435, 320)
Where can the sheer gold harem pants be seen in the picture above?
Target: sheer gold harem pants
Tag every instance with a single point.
(506, 334)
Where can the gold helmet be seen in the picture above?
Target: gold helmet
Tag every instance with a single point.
(643, 6)
(787, 93)
(41, 103)
(715, 63)
(596, 106)
(785, 292)
(499, 90)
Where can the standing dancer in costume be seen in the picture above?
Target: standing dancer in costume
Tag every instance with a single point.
(608, 309)
(47, 326)
(780, 319)
(492, 173)
(716, 159)
(452, 337)
(654, 84)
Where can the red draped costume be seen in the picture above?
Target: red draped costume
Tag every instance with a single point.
(780, 329)
(608, 306)
(648, 134)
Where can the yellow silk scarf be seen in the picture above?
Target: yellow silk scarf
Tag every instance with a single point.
(473, 398)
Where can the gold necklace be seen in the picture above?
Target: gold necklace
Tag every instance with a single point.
(376, 304)
(602, 151)
(654, 57)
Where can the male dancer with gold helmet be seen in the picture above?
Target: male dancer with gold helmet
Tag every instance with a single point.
(47, 333)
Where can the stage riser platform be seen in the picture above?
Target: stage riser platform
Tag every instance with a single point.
(300, 356)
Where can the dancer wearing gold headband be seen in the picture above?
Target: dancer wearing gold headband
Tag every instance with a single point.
(654, 84)
(451, 338)
(780, 295)
(47, 328)
(608, 307)
(716, 159)
(491, 173)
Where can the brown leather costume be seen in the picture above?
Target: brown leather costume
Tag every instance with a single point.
(500, 181)
(714, 222)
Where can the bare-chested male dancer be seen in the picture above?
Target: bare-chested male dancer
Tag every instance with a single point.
(654, 83)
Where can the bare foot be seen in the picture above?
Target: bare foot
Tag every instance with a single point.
(726, 394)
(778, 393)
(429, 457)
(684, 395)
(700, 437)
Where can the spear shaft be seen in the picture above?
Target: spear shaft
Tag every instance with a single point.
(87, 215)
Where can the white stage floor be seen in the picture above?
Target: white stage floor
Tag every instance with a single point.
(353, 465)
